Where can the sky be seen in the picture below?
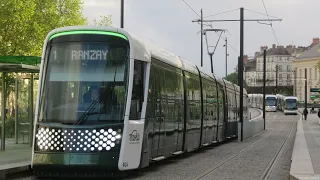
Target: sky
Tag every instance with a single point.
(168, 24)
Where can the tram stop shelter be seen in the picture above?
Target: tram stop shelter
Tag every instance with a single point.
(17, 64)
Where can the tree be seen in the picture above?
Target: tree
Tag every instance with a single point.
(104, 21)
(25, 23)
(233, 78)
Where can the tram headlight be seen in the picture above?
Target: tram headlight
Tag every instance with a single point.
(49, 139)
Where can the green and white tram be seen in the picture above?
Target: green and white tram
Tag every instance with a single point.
(109, 102)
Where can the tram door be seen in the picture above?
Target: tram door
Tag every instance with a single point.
(172, 105)
(179, 124)
(178, 118)
(159, 134)
(222, 119)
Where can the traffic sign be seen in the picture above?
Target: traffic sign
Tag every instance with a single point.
(314, 89)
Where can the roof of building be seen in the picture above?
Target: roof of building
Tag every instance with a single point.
(251, 65)
(311, 53)
(276, 51)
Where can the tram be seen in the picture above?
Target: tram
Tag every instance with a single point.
(290, 105)
(270, 103)
(109, 102)
(280, 101)
(255, 100)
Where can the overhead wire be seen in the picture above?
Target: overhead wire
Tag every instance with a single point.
(210, 24)
(222, 13)
(260, 13)
(270, 23)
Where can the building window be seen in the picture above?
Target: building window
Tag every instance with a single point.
(315, 73)
(280, 76)
(300, 72)
(288, 76)
(288, 68)
(280, 67)
(310, 73)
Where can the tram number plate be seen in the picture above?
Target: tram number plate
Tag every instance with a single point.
(125, 164)
(83, 159)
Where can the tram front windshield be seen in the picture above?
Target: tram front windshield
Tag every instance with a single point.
(291, 104)
(84, 83)
(271, 101)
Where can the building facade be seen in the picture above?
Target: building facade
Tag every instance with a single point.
(278, 68)
(307, 61)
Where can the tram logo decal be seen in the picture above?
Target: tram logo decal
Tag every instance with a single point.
(134, 137)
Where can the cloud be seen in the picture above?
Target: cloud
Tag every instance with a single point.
(113, 4)
(168, 24)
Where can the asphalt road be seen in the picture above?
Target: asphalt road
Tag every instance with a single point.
(233, 160)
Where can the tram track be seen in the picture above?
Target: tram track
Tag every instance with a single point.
(218, 165)
(228, 161)
(266, 174)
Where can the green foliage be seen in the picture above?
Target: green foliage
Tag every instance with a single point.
(285, 91)
(104, 21)
(233, 78)
(25, 23)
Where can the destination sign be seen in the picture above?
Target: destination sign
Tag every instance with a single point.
(83, 55)
(314, 89)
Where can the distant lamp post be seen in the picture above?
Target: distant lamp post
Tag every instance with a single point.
(294, 83)
(305, 88)
(226, 46)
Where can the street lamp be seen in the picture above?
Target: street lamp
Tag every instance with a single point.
(277, 69)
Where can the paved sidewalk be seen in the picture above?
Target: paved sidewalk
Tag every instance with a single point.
(306, 151)
(16, 158)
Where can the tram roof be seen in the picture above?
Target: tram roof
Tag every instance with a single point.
(144, 50)
(290, 97)
(271, 95)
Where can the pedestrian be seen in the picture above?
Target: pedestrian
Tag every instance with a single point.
(319, 114)
(305, 113)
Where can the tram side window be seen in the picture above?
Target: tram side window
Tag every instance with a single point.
(137, 90)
